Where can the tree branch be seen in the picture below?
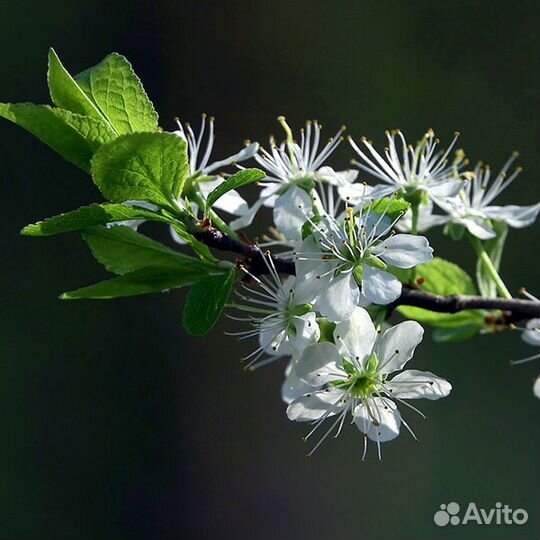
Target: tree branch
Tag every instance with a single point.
(513, 310)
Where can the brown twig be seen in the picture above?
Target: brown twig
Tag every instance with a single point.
(513, 310)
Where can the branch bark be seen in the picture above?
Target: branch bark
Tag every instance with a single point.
(513, 310)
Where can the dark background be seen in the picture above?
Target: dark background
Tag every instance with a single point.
(113, 422)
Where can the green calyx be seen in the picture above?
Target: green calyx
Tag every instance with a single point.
(370, 260)
(364, 383)
(414, 195)
(300, 309)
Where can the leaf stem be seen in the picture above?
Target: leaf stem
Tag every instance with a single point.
(489, 266)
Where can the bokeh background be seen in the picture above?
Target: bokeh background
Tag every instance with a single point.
(116, 424)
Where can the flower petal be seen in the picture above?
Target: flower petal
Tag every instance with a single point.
(413, 384)
(532, 334)
(356, 336)
(246, 153)
(405, 250)
(478, 228)
(378, 286)
(396, 346)
(337, 300)
(320, 364)
(515, 216)
(314, 405)
(378, 418)
(293, 387)
(536, 387)
(290, 212)
(306, 333)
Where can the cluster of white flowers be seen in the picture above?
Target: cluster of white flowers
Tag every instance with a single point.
(343, 359)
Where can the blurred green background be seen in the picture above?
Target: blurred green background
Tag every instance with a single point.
(116, 424)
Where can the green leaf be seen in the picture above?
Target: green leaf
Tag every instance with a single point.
(494, 248)
(144, 167)
(143, 281)
(454, 335)
(66, 93)
(393, 207)
(74, 137)
(89, 216)
(205, 302)
(122, 250)
(202, 250)
(117, 92)
(241, 178)
(443, 278)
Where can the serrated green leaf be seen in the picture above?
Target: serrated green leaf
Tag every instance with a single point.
(118, 94)
(494, 248)
(122, 250)
(89, 216)
(67, 94)
(444, 278)
(74, 137)
(143, 167)
(144, 281)
(241, 178)
(454, 335)
(205, 302)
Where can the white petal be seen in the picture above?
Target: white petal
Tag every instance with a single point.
(396, 346)
(337, 300)
(314, 405)
(320, 364)
(536, 387)
(307, 332)
(356, 336)
(413, 384)
(515, 216)
(379, 419)
(447, 188)
(293, 387)
(247, 218)
(532, 334)
(290, 212)
(405, 250)
(273, 338)
(312, 266)
(246, 153)
(379, 287)
(478, 228)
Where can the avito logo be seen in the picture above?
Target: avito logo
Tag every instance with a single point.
(500, 515)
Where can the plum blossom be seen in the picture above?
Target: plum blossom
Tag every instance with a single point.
(203, 171)
(279, 314)
(411, 171)
(356, 250)
(473, 207)
(292, 169)
(354, 376)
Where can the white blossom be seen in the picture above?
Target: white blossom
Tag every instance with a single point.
(473, 207)
(353, 376)
(342, 254)
(279, 314)
(203, 172)
(411, 170)
(292, 169)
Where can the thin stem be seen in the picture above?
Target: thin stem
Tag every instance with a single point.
(415, 210)
(490, 267)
